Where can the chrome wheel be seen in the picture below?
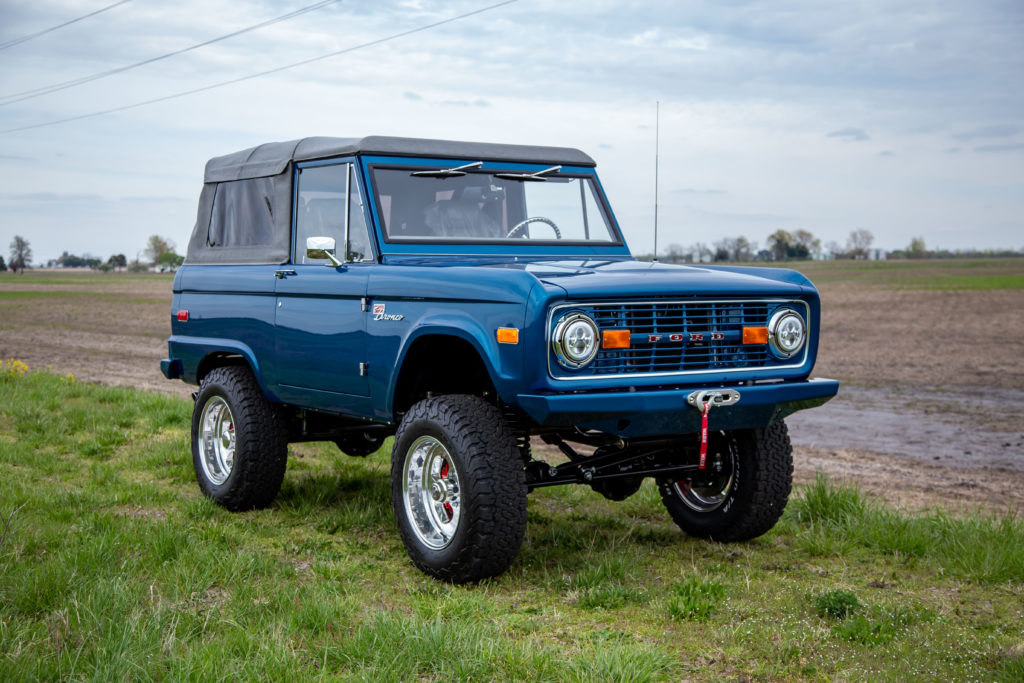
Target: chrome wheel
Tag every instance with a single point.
(217, 440)
(711, 491)
(430, 489)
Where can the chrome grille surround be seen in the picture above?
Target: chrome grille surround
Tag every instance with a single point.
(661, 337)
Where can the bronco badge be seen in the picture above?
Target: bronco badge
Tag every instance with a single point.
(379, 314)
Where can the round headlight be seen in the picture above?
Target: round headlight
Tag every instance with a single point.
(575, 340)
(786, 332)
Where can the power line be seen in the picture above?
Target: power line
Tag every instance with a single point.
(18, 41)
(45, 90)
(372, 43)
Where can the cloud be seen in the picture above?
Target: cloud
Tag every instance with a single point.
(409, 95)
(1000, 148)
(645, 38)
(851, 134)
(694, 191)
(64, 198)
(743, 217)
(466, 103)
(51, 197)
(653, 38)
(699, 43)
(997, 131)
(886, 153)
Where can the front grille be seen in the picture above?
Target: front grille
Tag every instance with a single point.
(680, 336)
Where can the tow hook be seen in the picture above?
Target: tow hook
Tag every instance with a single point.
(704, 400)
(715, 397)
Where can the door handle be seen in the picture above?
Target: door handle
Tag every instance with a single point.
(281, 274)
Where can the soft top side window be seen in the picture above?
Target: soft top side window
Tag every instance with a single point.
(243, 214)
(323, 208)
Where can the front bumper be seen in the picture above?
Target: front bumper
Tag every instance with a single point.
(662, 412)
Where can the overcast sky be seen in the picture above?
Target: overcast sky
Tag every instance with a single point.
(905, 118)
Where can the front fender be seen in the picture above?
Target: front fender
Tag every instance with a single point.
(503, 362)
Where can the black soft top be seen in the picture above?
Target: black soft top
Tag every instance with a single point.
(273, 158)
(265, 190)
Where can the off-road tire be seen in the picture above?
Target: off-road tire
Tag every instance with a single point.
(360, 444)
(492, 484)
(260, 446)
(757, 496)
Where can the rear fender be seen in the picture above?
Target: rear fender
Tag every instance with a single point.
(198, 355)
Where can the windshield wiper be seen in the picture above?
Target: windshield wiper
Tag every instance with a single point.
(448, 172)
(537, 177)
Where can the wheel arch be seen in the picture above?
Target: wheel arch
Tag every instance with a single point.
(427, 362)
(219, 359)
(200, 355)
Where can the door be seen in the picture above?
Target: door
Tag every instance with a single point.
(320, 322)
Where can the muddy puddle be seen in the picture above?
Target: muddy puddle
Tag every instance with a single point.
(969, 429)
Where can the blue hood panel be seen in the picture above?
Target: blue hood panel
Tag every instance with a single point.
(614, 279)
(618, 278)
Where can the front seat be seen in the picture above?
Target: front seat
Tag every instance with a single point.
(460, 218)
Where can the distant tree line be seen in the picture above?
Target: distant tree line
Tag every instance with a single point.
(783, 245)
(159, 254)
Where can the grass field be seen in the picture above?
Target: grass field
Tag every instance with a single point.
(931, 274)
(115, 568)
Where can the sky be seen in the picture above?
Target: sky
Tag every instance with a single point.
(902, 118)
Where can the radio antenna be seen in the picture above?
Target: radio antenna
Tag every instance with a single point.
(657, 117)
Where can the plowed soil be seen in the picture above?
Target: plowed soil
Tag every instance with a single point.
(931, 412)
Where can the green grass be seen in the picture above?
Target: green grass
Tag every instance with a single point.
(72, 293)
(975, 548)
(82, 277)
(44, 294)
(113, 567)
(837, 604)
(926, 274)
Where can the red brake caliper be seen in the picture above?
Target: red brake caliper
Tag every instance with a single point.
(447, 506)
(704, 435)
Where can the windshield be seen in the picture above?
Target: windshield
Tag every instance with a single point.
(465, 204)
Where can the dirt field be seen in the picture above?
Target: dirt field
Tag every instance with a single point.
(931, 354)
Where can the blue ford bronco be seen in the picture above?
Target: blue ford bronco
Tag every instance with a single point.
(468, 299)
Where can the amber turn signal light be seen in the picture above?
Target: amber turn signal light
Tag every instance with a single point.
(755, 335)
(615, 339)
(508, 335)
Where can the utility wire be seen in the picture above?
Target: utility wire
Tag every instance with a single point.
(23, 39)
(45, 90)
(371, 43)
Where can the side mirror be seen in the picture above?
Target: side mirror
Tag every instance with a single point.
(322, 248)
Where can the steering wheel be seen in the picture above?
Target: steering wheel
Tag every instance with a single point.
(535, 219)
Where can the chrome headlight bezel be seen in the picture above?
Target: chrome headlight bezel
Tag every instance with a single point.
(787, 333)
(570, 330)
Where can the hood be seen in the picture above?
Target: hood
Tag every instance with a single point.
(510, 281)
(601, 279)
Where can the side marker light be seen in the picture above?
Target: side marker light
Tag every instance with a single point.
(183, 316)
(508, 335)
